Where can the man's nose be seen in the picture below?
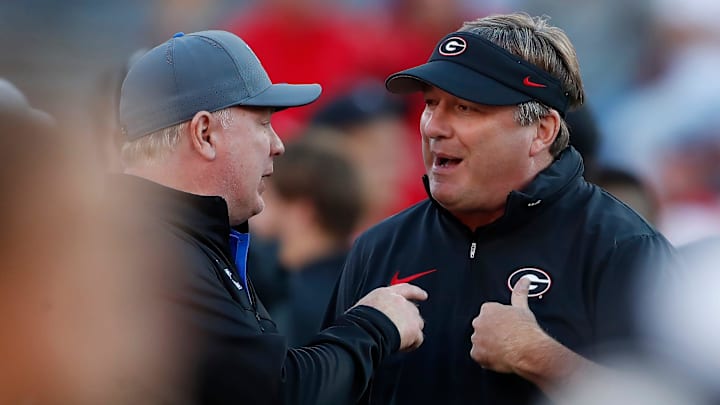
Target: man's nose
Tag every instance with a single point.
(435, 125)
(277, 147)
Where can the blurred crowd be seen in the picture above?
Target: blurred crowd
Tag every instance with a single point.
(649, 134)
(648, 68)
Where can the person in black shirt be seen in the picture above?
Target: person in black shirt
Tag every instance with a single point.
(530, 269)
(195, 112)
(308, 226)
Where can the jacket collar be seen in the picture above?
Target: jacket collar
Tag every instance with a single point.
(548, 186)
(204, 217)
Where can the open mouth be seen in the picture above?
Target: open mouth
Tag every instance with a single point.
(441, 161)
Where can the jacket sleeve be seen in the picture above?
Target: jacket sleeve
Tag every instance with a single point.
(622, 283)
(336, 367)
(234, 362)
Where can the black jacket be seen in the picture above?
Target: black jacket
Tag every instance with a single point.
(238, 357)
(584, 248)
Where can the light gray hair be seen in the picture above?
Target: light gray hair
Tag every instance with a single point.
(157, 145)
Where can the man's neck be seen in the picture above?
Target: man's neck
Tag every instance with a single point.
(479, 218)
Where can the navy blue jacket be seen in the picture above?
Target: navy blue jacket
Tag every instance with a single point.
(583, 248)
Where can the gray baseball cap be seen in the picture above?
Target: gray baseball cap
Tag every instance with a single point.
(202, 71)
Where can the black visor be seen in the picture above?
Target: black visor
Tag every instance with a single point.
(469, 66)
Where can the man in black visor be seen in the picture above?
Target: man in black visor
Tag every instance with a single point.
(531, 271)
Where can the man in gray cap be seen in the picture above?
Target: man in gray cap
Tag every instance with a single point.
(196, 112)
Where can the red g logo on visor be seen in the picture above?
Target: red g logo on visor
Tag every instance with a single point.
(453, 46)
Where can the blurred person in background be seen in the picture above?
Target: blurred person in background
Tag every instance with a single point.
(683, 338)
(337, 44)
(18, 112)
(690, 186)
(681, 360)
(425, 21)
(610, 36)
(626, 186)
(192, 15)
(367, 125)
(585, 135)
(311, 40)
(313, 202)
(104, 104)
(630, 189)
(80, 321)
(529, 268)
(196, 114)
(672, 108)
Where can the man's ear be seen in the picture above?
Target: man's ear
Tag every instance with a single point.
(202, 140)
(547, 130)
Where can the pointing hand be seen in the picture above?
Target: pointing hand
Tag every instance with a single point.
(398, 303)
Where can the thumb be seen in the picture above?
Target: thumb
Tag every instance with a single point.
(519, 296)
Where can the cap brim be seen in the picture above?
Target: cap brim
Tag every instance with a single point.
(457, 80)
(283, 95)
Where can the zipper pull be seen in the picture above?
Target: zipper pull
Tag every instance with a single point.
(473, 246)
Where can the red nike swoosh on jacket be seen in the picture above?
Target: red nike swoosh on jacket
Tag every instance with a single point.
(397, 280)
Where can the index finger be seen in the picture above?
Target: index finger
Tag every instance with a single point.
(410, 292)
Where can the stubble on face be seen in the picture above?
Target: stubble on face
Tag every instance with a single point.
(249, 160)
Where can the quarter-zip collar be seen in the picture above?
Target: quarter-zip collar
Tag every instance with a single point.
(205, 217)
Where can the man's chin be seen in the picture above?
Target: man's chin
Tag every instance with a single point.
(259, 206)
(442, 193)
(451, 199)
(249, 212)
